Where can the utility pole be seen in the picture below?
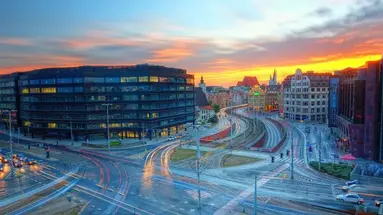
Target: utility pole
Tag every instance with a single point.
(198, 170)
(18, 139)
(71, 130)
(107, 122)
(10, 130)
(255, 194)
(292, 155)
(320, 149)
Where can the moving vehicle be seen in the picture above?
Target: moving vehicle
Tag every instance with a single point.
(378, 202)
(30, 161)
(1, 167)
(3, 159)
(17, 164)
(347, 188)
(350, 197)
(348, 183)
(171, 138)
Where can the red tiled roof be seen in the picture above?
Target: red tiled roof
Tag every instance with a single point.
(248, 81)
(207, 107)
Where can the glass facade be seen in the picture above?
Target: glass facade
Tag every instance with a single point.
(143, 101)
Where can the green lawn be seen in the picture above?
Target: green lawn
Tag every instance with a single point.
(336, 170)
(181, 154)
(234, 160)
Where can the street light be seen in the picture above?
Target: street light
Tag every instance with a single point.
(71, 130)
(10, 129)
(107, 122)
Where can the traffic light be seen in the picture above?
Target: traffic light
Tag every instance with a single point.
(47, 154)
(287, 152)
(281, 155)
(310, 149)
(272, 159)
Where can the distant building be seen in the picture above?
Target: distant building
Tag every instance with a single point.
(257, 98)
(239, 94)
(333, 101)
(359, 110)
(272, 93)
(202, 85)
(204, 111)
(306, 96)
(222, 99)
(273, 80)
(248, 81)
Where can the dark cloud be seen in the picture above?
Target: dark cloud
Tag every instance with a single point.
(367, 11)
(324, 11)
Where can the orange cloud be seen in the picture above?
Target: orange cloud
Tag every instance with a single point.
(178, 51)
(14, 41)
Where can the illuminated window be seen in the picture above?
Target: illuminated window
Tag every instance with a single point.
(102, 125)
(25, 91)
(164, 79)
(48, 90)
(115, 125)
(154, 115)
(52, 125)
(27, 123)
(34, 90)
(128, 79)
(153, 79)
(143, 79)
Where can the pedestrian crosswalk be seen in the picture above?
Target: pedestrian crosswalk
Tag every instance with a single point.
(296, 160)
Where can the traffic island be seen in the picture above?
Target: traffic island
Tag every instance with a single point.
(182, 154)
(234, 160)
(337, 170)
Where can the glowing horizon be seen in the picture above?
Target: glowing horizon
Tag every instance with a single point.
(228, 42)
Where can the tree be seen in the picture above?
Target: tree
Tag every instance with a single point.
(213, 119)
(216, 107)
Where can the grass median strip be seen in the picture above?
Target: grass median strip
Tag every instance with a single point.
(181, 154)
(234, 160)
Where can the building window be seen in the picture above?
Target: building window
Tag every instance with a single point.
(65, 80)
(48, 81)
(52, 125)
(323, 102)
(25, 91)
(78, 80)
(48, 90)
(132, 79)
(79, 89)
(323, 89)
(34, 90)
(34, 82)
(190, 80)
(143, 79)
(312, 89)
(318, 102)
(94, 80)
(112, 79)
(65, 89)
(153, 79)
(23, 83)
(318, 110)
(318, 89)
(312, 110)
(324, 96)
(323, 109)
(163, 80)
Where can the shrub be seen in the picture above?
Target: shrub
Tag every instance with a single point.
(336, 170)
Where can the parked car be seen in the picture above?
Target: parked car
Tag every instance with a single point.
(378, 202)
(171, 138)
(350, 197)
(348, 188)
(348, 183)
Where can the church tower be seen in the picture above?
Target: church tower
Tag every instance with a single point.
(202, 85)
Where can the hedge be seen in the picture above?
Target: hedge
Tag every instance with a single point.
(337, 170)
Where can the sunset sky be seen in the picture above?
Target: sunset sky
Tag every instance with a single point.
(223, 40)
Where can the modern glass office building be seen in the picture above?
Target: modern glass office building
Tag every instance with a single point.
(8, 101)
(141, 101)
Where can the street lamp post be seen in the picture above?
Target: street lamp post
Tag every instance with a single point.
(10, 129)
(107, 122)
(71, 130)
(198, 169)
(292, 155)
